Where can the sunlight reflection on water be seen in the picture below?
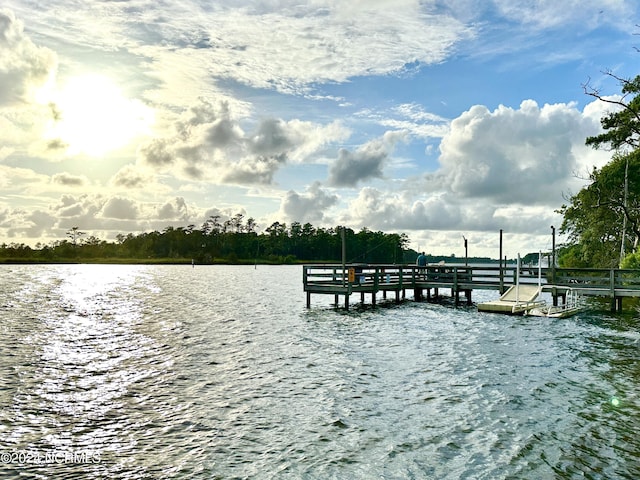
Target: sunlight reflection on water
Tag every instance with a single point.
(176, 372)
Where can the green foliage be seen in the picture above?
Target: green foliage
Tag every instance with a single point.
(631, 261)
(573, 256)
(530, 258)
(595, 216)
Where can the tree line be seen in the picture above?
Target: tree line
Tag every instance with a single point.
(234, 240)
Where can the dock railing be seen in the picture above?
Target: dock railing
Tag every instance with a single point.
(372, 279)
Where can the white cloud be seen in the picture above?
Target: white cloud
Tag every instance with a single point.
(23, 65)
(120, 208)
(521, 156)
(97, 214)
(310, 206)
(290, 48)
(386, 211)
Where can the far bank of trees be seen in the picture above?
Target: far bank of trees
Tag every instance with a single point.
(231, 241)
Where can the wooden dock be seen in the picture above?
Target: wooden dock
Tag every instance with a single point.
(395, 280)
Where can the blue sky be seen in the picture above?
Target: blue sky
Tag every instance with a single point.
(437, 119)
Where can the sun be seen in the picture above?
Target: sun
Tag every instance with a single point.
(93, 117)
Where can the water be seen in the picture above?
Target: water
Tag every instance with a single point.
(130, 372)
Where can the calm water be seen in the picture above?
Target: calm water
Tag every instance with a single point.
(130, 372)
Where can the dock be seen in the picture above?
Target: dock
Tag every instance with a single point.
(461, 280)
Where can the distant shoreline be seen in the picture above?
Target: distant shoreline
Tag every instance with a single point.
(189, 261)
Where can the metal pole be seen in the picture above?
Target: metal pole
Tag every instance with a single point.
(539, 269)
(344, 254)
(501, 272)
(518, 280)
(553, 254)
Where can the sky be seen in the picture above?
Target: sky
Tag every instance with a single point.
(439, 119)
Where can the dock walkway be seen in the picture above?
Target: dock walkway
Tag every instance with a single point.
(614, 284)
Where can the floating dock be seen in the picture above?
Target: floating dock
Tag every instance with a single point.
(518, 299)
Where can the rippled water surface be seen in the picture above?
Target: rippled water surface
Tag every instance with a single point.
(221, 372)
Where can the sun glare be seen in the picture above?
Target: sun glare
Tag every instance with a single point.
(93, 117)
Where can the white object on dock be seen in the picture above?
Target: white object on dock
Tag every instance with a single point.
(518, 299)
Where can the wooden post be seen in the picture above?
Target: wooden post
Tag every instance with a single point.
(344, 254)
(304, 282)
(455, 285)
(376, 280)
(612, 289)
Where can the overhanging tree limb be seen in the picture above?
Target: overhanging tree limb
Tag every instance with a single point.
(622, 127)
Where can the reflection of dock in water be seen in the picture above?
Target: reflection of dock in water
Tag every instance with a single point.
(426, 282)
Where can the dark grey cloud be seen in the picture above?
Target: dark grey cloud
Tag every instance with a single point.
(56, 145)
(158, 153)
(209, 144)
(130, 177)
(69, 180)
(272, 138)
(351, 168)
